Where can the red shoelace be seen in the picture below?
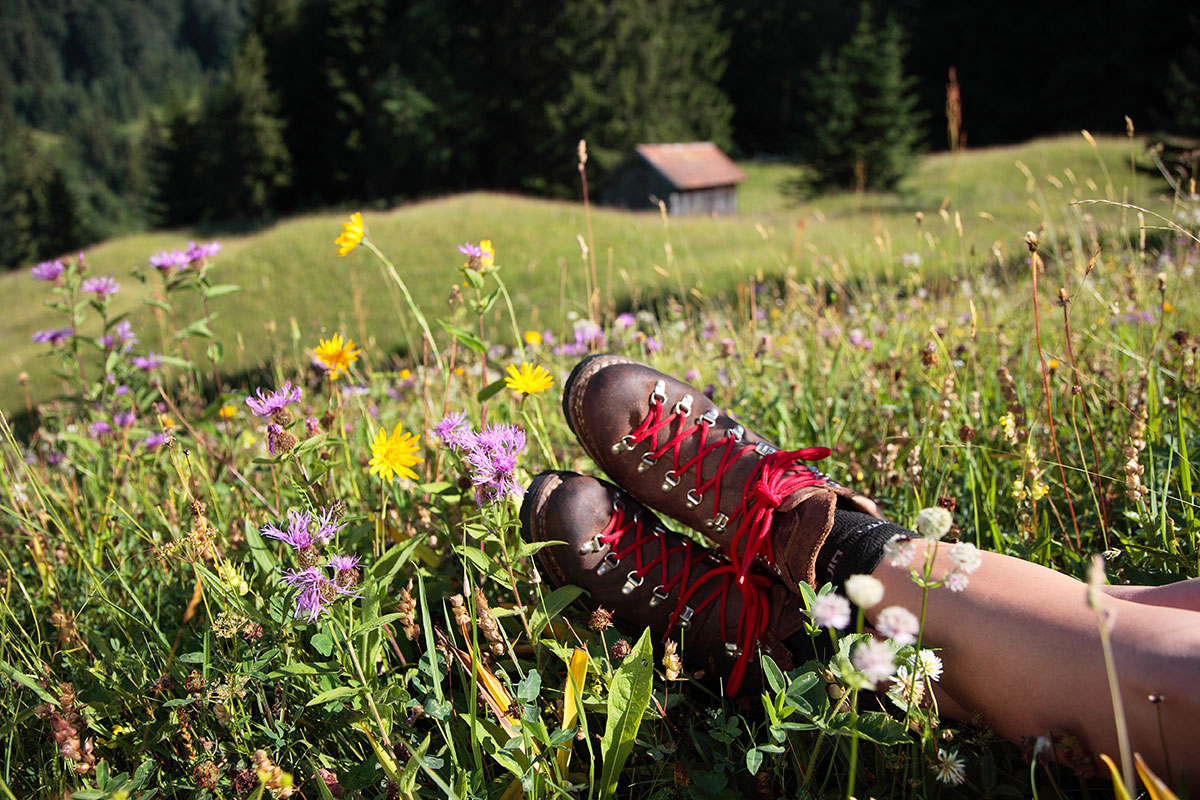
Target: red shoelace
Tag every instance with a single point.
(626, 535)
(777, 474)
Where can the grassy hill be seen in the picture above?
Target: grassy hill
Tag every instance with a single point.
(976, 205)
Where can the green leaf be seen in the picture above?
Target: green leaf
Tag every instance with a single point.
(466, 337)
(374, 625)
(551, 606)
(491, 390)
(153, 301)
(628, 699)
(198, 328)
(528, 689)
(222, 289)
(754, 758)
(774, 674)
(29, 683)
(874, 726)
(322, 643)
(258, 548)
(333, 694)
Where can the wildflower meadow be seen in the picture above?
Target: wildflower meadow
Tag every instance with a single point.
(302, 574)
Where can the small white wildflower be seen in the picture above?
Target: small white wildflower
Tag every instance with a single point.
(956, 580)
(927, 664)
(965, 557)
(933, 523)
(899, 551)
(864, 591)
(907, 688)
(911, 260)
(898, 624)
(874, 660)
(831, 611)
(19, 494)
(950, 768)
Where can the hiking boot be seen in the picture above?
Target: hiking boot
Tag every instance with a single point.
(673, 450)
(650, 577)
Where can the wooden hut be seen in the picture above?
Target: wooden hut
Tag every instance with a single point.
(690, 177)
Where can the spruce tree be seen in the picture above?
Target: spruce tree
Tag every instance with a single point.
(865, 125)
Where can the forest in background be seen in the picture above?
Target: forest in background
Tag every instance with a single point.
(121, 115)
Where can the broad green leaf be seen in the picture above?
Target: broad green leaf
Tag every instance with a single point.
(374, 625)
(773, 674)
(322, 643)
(29, 683)
(530, 687)
(466, 337)
(491, 390)
(221, 289)
(628, 699)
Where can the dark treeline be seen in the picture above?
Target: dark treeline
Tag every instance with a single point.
(117, 115)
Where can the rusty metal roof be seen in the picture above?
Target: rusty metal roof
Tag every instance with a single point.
(692, 165)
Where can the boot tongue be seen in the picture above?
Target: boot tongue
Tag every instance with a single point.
(798, 529)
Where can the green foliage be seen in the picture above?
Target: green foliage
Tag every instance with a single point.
(865, 126)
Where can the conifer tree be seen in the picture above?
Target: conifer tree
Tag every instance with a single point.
(865, 126)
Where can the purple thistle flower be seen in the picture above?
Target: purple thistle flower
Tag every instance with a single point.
(340, 563)
(626, 320)
(148, 362)
(154, 441)
(124, 419)
(492, 459)
(470, 250)
(327, 526)
(454, 431)
(168, 260)
(317, 592)
(299, 532)
(54, 336)
(100, 428)
(653, 345)
(268, 403)
(48, 270)
(103, 287)
(273, 432)
(122, 334)
(199, 252)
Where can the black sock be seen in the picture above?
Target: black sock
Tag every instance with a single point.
(854, 546)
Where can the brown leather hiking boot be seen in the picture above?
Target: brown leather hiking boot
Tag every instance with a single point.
(649, 576)
(670, 447)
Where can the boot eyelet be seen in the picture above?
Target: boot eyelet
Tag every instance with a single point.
(737, 432)
(718, 522)
(684, 406)
(632, 581)
(709, 416)
(608, 563)
(733, 649)
(685, 618)
(694, 498)
(660, 594)
(626, 443)
(670, 480)
(764, 449)
(659, 395)
(593, 545)
(647, 463)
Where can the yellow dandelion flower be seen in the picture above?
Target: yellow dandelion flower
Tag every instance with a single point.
(166, 421)
(533, 338)
(488, 259)
(335, 355)
(1168, 306)
(227, 412)
(1052, 364)
(528, 379)
(351, 235)
(394, 455)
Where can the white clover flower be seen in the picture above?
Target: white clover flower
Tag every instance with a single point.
(831, 611)
(874, 660)
(864, 591)
(965, 557)
(933, 523)
(898, 624)
(19, 494)
(950, 768)
(956, 580)
(899, 552)
(927, 664)
(906, 688)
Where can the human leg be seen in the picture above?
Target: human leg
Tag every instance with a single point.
(1022, 649)
(1182, 594)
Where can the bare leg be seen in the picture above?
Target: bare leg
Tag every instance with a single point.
(1184, 594)
(1021, 649)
